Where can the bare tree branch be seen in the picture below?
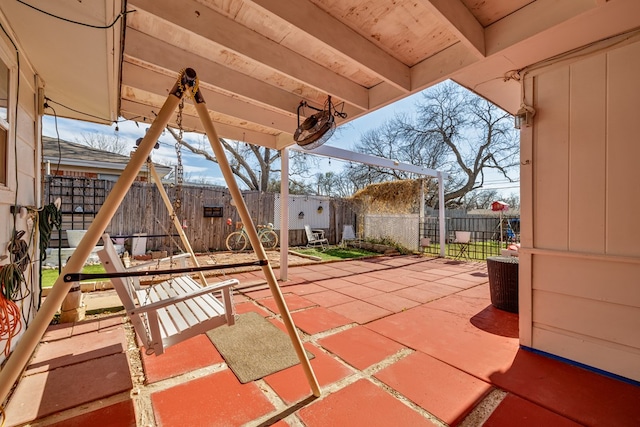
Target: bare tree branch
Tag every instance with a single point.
(244, 159)
(453, 130)
(101, 141)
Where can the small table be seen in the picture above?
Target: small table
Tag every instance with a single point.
(503, 282)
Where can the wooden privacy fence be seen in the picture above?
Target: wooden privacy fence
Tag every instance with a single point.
(204, 211)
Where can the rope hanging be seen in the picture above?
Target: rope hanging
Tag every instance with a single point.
(48, 217)
(11, 280)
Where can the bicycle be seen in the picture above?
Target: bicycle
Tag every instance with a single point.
(238, 240)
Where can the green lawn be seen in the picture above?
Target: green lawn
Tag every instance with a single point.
(476, 250)
(336, 253)
(49, 276)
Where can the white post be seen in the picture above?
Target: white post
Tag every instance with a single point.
(284, 214)
(421, 221)
(441, 211)
(501, 242)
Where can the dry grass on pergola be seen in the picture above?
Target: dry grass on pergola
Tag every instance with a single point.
(392, 197)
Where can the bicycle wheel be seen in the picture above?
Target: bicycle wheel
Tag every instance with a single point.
(269, 239)
(236, 241)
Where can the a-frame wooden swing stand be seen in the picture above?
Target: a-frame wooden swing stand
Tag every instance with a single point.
(187, 84)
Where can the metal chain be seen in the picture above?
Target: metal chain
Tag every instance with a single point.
(177, 204)
(149, 196)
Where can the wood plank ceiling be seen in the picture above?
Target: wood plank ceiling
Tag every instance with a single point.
(257, 60)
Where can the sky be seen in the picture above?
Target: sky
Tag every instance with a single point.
(196, 168)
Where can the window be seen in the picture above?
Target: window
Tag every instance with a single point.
(4, 120)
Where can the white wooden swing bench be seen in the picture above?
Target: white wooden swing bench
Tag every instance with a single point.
(172, 311)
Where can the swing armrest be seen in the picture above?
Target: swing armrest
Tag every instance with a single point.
(184, 297)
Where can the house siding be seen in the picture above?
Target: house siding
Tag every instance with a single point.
(580, 269)
(23, 174)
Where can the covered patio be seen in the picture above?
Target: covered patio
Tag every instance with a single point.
(567, 70)
(404, 340)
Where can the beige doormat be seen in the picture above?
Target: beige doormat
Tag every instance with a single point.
(254, 348)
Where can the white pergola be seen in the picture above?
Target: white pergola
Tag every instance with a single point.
(352, 156)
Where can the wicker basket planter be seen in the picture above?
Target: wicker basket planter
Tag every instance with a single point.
(503, 282)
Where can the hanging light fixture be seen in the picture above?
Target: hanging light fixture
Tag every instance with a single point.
(524, 116)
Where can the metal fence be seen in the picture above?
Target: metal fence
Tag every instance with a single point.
(487, 236)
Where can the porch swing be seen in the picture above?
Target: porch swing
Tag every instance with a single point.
(193, 305)
(171, 311)
(187, 84)
(176, 309)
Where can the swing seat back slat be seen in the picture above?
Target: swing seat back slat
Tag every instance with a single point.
(172, 311)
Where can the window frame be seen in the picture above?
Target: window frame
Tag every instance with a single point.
(8, 57)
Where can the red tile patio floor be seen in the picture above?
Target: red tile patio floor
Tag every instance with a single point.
(398, 341)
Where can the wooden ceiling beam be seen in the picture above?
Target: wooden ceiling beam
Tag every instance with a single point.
(172, 58)
(441, 65)
(149, 80)
(195, 18)
(532, 21)
(143, 48)
(461, 22)
(146, 114)
(309, 18)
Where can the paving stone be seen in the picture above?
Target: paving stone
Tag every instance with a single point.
(361, 404)
(214, 400)
(45, 393)
(360, 347)
(442, 390)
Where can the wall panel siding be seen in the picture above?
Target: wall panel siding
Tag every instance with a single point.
(22, 161)
(623, 151)
(616, 323)
(551, 157)
(602, 354)
(585, 258)
(587, 156)
(584, 278)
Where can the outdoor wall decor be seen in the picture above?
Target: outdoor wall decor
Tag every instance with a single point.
(212, 211)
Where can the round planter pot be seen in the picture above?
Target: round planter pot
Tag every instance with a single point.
(74, 237)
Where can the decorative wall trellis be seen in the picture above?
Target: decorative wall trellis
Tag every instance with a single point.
(80, 198)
